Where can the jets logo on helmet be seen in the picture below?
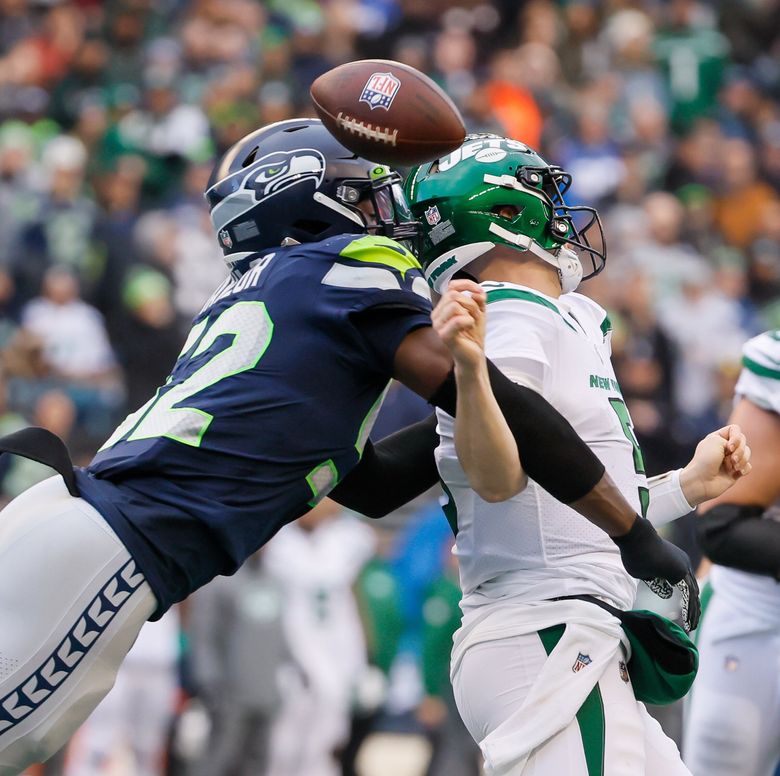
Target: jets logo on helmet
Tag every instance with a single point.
(488, 155)
(497, 191)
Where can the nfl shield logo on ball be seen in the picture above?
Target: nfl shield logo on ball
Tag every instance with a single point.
(380, 90)
(432, 215)
(581, 662)
(225, 238)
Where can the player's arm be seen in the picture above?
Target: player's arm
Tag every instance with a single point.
(550, 450)
(555, 457)
(720, 460)
(731, 529)
(485, 446)
(392, 472)
(402, 466)
(390, 328)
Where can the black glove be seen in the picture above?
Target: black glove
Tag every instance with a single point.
(662, 565)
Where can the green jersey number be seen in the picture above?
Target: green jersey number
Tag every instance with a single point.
(250, 328)
(639, 464)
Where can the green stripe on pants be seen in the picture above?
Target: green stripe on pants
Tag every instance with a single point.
(590, 717)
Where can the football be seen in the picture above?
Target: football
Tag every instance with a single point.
(387, 112)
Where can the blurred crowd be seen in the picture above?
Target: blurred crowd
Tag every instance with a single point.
(667, 113)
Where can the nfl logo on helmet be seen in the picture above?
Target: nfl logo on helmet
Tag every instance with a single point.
(225, 238)
(432, 215)
(380, 90)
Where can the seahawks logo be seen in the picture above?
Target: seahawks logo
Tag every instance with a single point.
(265, 178)
(279, 170)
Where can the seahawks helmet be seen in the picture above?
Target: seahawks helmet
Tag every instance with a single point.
(293, 181)
(458, 199)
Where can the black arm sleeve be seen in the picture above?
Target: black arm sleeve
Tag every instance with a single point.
(737, 536)
(391, 473)
(551, 452)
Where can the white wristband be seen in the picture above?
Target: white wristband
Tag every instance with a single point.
(667, 501)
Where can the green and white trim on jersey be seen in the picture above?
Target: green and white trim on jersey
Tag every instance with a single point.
(590, 717)
(497, 292)
(760, 374)
(760, 369)
(761, 355)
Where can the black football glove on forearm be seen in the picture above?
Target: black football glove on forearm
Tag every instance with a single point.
(662, 565)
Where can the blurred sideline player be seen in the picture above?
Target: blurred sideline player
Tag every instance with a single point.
(268, 407)
(733, 720)
(238, 655)
(317, 560)
(539, 676)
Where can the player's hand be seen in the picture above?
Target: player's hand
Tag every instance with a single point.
(690, 603)
(459, 319)
(721, 458)
(662, 565)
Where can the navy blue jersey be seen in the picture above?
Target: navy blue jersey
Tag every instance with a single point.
(268, 406)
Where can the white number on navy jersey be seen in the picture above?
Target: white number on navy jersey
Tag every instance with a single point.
(251, 329)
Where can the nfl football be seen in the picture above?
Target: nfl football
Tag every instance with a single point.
(387, 112)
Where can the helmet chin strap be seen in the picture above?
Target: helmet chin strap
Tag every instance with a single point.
(569, 269)
(565, 260)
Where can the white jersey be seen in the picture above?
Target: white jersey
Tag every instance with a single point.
(758, 382)
(532, 547)
(317, 570)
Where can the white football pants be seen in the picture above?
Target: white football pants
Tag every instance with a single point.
(732, 722)
(612, 734)
(71, 605)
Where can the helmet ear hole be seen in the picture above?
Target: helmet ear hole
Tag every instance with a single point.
(250, 158)
(506, 211)
(311, 226)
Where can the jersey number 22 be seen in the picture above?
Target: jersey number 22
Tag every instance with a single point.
(166, 414)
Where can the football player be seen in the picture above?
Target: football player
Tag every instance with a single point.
(733, 720)
(267, 408)
(538, 667)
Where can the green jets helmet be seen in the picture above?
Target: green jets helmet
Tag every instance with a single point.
(462, 200)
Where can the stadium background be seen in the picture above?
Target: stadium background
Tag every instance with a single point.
(111, 113)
